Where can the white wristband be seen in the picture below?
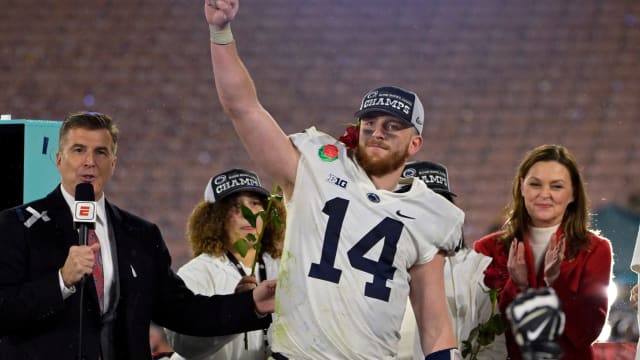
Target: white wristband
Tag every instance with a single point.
(221, 37)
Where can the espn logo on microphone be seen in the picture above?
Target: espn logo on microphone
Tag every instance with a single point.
(85, 211)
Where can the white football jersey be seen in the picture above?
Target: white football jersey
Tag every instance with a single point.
(344, 281)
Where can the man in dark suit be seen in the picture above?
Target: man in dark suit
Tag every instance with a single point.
(42, 267)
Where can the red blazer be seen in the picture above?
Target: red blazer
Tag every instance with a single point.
(581, 287)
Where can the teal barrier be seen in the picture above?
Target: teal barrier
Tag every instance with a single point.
(39, 146)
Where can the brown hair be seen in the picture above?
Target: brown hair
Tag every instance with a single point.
(207, 232)
(576, 217)
(89, 121)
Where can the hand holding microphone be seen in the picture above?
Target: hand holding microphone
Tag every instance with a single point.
(80, 260)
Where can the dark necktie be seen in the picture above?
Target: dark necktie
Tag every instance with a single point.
(98, 276)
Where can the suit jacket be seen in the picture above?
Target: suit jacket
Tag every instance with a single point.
(35, 321)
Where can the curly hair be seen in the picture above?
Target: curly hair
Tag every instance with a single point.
(207, 227)
(576, 217)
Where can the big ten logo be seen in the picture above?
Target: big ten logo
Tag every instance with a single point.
(337, 181)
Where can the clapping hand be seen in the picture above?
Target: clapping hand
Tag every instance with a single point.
(517, 264)
(553, 257)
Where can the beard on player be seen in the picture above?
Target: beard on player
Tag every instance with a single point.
(376, 166)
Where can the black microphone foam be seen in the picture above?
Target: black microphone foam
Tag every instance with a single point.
(84, 192)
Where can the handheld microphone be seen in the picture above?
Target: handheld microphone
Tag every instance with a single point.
(84, 218)
(84, 211)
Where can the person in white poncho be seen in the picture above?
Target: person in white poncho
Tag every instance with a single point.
(218, 268)
(467, 296)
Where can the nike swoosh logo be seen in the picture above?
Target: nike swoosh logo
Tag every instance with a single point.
(533, 335)
(404, 216)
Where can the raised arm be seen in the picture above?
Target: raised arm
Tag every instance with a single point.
(264, 140)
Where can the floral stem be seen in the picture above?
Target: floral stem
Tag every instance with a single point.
(261, 232)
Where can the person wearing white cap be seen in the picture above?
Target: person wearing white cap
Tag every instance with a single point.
(355, 248)
(468, 299)
(218, 268)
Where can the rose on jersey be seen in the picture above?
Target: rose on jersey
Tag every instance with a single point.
(351, 136)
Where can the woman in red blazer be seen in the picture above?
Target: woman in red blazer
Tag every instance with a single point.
(546, 242)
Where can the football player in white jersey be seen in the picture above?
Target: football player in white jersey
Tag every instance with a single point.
(467, 295)
(359, 240)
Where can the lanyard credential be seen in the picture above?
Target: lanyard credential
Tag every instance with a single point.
(262, 272)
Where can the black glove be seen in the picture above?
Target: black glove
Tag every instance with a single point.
(536, 323)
